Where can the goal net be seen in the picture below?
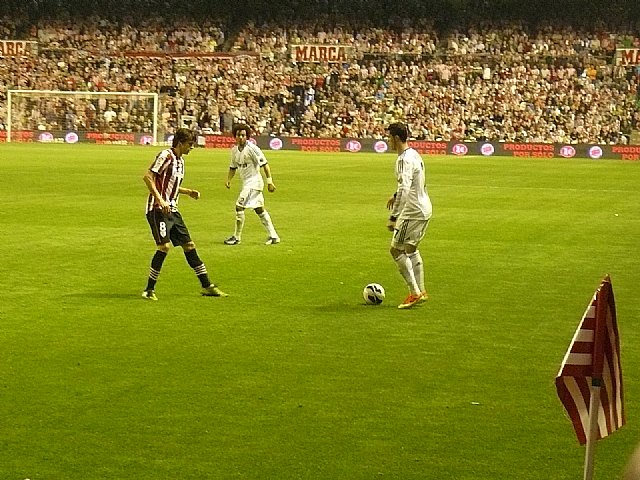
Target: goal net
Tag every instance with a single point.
(72, 116)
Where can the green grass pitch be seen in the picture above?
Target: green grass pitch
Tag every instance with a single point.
(292, 376)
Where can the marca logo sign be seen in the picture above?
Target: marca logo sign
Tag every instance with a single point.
(17, 48)
(321, 53)
(628, 56)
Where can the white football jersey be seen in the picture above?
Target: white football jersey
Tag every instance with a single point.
(412, 200)
(248, 162)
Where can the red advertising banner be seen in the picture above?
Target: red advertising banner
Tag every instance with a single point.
(17, 48)
(110, 138)
(321, 53)
(22, 136)
(315, 144)
(351, 145)
(69, 136)
(626, 152)
(218, 141)
(536, 150)
(431, 148)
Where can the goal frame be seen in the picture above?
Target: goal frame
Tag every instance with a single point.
(152, 95)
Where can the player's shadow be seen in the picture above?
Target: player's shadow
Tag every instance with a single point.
(104, 295)
(341, 308)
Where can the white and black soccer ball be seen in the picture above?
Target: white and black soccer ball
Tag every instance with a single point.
(373, 294)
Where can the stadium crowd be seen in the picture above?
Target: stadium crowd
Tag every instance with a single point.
(497, 80)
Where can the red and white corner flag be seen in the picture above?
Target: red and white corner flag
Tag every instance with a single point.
(589, 382)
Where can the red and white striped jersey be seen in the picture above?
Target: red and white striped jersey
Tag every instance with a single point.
(169, 172)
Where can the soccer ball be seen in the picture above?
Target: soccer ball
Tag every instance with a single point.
(373, 294)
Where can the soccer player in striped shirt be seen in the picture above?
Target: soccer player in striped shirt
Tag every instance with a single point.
(410, 213)
(248, 160)
(164, 181)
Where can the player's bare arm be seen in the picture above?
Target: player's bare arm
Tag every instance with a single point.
(230, 175)
(150, 181)
(391, 201)
(195, 194)
(267, 173)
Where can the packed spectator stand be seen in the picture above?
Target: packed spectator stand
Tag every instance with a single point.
(499, 80)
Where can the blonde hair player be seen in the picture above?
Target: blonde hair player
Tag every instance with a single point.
(411, 210)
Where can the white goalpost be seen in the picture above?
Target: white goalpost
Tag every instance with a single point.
(87, 114)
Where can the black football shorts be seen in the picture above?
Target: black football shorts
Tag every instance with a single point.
(165, 228)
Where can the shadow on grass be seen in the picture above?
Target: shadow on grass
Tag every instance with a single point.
(354, 307)
(105, 295)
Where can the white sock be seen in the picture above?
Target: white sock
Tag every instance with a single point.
(418, 268)
(265, 218)
(239, 224)
(406, 270)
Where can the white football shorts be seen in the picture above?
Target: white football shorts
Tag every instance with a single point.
(250, 198)
(408, 232)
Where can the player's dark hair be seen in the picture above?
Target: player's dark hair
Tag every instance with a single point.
(183, 135)
(239, 127)
(400, 130)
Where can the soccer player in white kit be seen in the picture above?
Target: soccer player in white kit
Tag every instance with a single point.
(410, 213)
(248, 159)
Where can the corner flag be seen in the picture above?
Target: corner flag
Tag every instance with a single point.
(589, 382)
(594, 356)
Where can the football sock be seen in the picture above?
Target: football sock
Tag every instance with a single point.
(156, 266)
(418, 269)
(404, 265)
(198, 267)
(239, 224)
(265, 218)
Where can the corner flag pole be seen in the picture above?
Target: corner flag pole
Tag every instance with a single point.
(589, 383)
(592, 435)
(600, 334)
